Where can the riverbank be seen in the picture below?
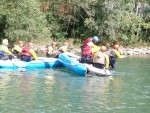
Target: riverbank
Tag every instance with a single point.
(145, 51)
(138, 49)
(134, 51)
(129, 51)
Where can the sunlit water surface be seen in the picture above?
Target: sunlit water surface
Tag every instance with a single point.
(62, 91)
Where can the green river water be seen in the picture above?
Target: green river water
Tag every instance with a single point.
(62, 91)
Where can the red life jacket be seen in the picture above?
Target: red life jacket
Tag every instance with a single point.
(86, 41)
(87, 51)
(26, 51)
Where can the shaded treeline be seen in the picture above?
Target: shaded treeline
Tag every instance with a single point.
(127, 21)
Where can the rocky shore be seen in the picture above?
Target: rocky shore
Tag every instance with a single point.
(135, 51)
(145, 51)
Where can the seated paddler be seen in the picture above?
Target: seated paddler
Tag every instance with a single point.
(101, 59)
(5, 53)
(50, 51)
(28, 54)
(17, 49)
(64, 47)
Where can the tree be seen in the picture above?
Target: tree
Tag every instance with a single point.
(24, 20)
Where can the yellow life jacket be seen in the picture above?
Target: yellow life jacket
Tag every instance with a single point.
(17, 48)
(5, 49)
(63, 49)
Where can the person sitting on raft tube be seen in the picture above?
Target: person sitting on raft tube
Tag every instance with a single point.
(17, 49)
(28, 53)
(64, 47)
(50, 52)
(101, 59)
(89, 49)
(114, 54)
(5, 53)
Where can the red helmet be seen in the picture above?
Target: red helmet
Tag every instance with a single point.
(30, 44)
(116, 46)
(20, 42)
(53, 43)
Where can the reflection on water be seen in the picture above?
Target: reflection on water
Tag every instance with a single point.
(61, 91)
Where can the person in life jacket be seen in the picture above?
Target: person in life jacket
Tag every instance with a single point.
(17, 49)
(50, 51)
(87, 56)
(101, 59)
(95, 48)
(28, 53)
(114, 54)
(92, 41)
(64, 47)
(5, 52)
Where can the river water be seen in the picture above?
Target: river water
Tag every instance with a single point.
(62, 91)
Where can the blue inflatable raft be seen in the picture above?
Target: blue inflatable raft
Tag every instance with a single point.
(91, 69)
(72, 64)
(40, 64)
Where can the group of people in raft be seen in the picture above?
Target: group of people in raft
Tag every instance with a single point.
(27, 53)
(91, 53)
(98, 56)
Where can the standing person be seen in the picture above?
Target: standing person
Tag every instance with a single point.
(17, 49)
(87, 56)
(95, 48)
(101, 59)
(88, 50)
(5, 52)
(28, 53)
(114, 54)
(64, 47)
(50, 52)
(93, 42)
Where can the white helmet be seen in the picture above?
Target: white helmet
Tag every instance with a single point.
(5, 42)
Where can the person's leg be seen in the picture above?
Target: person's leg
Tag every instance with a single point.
(98, 65)
(26, 58)
(10, 57)
(6, 57)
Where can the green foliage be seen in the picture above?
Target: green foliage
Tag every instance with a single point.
(58, 20)
(26, 21)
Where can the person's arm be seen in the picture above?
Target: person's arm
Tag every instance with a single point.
(33, 54)
(118, 54)
(94, 57)
(95, 49)
(7, 51)
(107, 61)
